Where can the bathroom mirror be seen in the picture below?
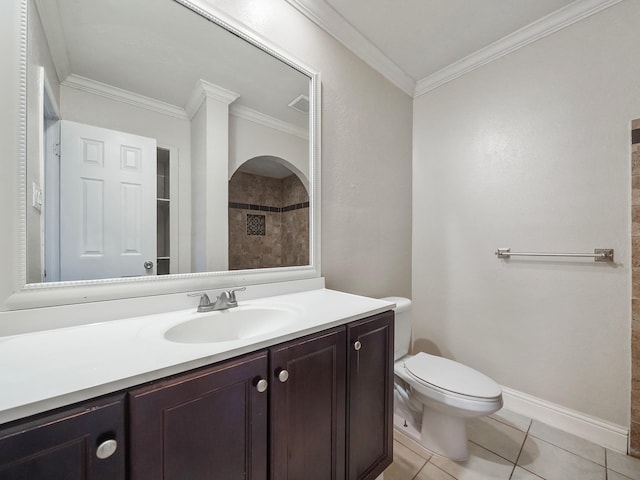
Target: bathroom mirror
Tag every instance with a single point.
(139, 115)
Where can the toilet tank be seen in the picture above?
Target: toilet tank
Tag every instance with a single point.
(402, 330)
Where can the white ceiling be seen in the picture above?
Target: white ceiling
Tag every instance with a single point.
(420, 44)
(160, 49)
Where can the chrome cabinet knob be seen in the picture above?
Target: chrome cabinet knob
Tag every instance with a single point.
(357, 345)
(283, 376)
(106, 449)
(262, 385)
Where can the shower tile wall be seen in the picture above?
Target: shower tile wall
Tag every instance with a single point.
(295, 222)
(285, 206)
(634, 440)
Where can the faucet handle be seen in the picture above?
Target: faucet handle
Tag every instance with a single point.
(204, 298)
(232, 293)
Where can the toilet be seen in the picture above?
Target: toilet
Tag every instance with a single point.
(433, 396)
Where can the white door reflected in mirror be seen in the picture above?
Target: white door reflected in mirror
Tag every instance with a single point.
(107, 209)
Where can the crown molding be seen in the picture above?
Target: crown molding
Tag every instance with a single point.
(125, 96)
(327, 18)
(268, 121)
(562, 18)
(203, 90)
(333, 23)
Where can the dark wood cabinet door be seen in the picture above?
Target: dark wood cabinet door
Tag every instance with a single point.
(207, 424)
(370, 394)
(64, 445)
(308, 408)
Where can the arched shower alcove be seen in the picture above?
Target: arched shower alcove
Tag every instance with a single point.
(268, 215)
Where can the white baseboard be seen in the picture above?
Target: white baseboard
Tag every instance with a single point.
(601, 432)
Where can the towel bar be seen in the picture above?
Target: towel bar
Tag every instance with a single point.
(599, 254)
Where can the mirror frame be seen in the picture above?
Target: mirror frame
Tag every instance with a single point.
(33, 295)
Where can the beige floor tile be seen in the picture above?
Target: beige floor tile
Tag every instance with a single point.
(521, 474)
(411, 444)
(481, 465)
(624, 464)
(512, 419)
(611, 475)
(567, 441)
(554, 463)
(431, 472)
(406, 463)
(496, 437)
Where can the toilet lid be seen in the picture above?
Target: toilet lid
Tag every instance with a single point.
(452, 376)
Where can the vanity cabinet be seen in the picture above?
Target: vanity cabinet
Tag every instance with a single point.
(370, 394)
(211, 423)
(81, 443)
(316, 408)
(308, 400)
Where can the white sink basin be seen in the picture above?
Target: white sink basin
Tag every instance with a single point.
(244, 321)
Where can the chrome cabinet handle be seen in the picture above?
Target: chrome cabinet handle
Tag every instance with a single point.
(357, 345)
(283, 376)
(262, 385)
(106, 449)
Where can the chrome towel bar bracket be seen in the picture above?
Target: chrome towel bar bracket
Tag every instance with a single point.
(599, 254)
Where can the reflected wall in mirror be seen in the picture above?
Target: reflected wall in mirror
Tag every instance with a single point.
(139, 116)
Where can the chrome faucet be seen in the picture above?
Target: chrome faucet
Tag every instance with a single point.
(227, 299)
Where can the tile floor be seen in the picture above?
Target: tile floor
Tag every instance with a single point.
(508, 446)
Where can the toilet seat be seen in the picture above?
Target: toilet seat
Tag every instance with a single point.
(448, 376)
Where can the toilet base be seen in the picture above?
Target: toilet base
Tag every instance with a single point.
(444, 434)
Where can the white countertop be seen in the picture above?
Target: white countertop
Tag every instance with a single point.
(43, 370)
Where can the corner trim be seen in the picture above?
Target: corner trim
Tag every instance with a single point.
(204, 90)
(114, 93)
(335, 25)
(601, 432)
(251, 115)
(562, 18)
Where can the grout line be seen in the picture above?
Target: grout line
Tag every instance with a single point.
(496, 453)
(419, 470)
(511, 424)
(526, 435)
(548, 442)
(444, 471)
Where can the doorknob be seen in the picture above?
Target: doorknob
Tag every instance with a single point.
(148, 265)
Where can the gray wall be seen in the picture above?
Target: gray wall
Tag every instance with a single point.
(532, 152)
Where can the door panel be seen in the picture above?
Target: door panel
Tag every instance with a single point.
(308, 408)
(64, 445)
(208, 424)
(370, 411)
(107, 203)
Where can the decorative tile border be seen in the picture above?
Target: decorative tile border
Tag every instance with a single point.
(265, 208)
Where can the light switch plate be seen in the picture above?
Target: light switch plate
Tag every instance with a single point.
(37, 199)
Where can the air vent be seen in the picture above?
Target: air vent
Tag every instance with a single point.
(301, 103)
